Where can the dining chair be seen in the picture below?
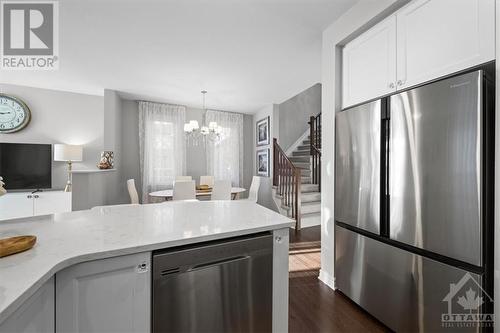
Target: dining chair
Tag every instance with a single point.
(221, 190)
(183, 178)
(253, 193)
(207, 180)
(132, 191)
(184, 190)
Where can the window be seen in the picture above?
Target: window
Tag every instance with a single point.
(162, 145)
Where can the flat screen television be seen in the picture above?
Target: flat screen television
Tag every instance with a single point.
(26, 166)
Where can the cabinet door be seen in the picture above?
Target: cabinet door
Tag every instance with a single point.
(52, 202)
(15, 205)
(369, 64)
(36, 315)
(440, 37)
(109, 295)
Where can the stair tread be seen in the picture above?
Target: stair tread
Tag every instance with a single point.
(310, 214)
(310, 203)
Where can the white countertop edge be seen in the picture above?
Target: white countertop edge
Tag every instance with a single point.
(6, 311)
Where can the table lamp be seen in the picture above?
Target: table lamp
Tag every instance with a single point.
(70, 154)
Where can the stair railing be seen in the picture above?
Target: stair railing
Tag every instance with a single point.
(315, 149)
(287, 179)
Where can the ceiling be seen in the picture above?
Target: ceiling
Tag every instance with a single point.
(246, 53)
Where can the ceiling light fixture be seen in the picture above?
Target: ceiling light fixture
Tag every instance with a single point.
(194, 132)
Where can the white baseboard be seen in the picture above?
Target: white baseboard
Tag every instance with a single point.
(327, 279)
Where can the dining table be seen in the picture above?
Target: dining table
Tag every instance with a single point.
(168, 194)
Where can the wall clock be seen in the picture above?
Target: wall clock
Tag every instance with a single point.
(14, 114)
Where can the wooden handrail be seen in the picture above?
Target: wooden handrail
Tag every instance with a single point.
(287, 179)
(315, 149)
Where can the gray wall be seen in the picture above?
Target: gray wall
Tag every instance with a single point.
(295, 113)
(60, 117)
(104, 188)
(116, 189)
(130, 142)
(266, 183)
(196, 160)
(248, 152)
(195, 155)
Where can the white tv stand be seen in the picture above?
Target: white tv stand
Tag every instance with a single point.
(33, 203)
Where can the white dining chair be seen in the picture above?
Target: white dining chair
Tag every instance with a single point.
(221, 190)
(132, 191)
(207, 180)
(184, 190)
(253, 193)
(183, 178)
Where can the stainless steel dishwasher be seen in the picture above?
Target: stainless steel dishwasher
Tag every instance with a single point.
(214, 287)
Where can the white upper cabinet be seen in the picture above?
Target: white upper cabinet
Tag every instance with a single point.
(422, 41)
(440, 37)
(369, 64)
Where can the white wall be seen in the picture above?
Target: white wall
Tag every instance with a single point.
(61, 117)
(266, 183)
(359, 18)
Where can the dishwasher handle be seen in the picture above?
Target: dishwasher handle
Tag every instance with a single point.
(217, 262)
(178, 270)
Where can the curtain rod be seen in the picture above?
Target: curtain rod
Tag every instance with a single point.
(188, 107)
(141, 100)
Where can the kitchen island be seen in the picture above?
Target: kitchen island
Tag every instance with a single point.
(67, 242)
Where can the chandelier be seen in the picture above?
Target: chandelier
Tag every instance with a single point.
(194, 132)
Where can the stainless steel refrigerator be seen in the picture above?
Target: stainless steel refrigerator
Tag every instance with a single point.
(413, 205)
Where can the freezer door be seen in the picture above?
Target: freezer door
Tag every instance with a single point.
(357, 166)
(435, 167)
(407, 292)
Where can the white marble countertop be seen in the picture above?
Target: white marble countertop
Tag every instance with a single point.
(69, 238)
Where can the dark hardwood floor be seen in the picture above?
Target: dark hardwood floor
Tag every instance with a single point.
(314, 307)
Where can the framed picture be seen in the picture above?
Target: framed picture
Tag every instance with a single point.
(262, 134)
(262, 161)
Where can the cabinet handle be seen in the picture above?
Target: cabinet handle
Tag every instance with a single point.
(391, 85)
(142, 267)
(36, 196)
(400, 83)
(29, 196)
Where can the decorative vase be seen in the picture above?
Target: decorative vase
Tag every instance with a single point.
(107, 160)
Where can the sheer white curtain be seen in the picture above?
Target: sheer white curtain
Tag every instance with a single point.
(162, 145)
(225, 157)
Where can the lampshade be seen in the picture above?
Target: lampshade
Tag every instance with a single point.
(67, 153)
(194, 124)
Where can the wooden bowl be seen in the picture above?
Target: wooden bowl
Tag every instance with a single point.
(12, 245)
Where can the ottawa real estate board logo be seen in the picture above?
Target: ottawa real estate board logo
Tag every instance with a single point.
(468, 305)
(29, 35)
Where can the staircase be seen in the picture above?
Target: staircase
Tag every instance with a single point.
(304, 160)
